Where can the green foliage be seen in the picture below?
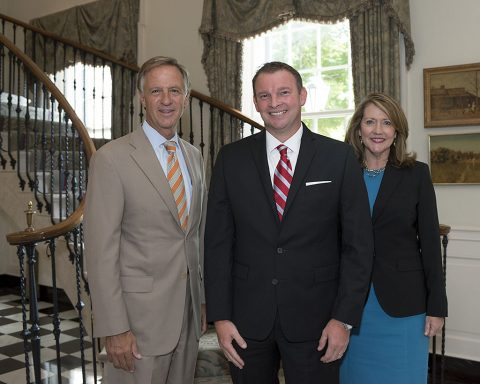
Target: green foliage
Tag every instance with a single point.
(335, 45)
(338, 97)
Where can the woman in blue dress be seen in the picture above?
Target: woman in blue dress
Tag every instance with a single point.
(407, 301)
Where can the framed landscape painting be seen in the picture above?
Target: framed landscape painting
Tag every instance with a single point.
(455, 159)
(452, 95)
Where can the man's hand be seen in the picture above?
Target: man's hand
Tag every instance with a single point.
(203, 311)
(226, 332)
(335, 337)
(121, 350)
(433, 325)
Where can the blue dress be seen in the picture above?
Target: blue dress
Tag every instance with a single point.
(385, 349)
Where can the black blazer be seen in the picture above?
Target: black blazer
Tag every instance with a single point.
(407, 273)
(313, 266)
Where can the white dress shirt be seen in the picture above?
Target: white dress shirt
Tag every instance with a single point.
(273, 155)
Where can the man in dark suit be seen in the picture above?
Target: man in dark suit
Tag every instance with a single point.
(288, 250)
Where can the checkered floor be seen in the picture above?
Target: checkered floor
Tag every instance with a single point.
(12, 356)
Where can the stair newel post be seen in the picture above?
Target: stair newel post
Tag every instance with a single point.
(32, 296)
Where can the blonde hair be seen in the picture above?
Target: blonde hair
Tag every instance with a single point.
(398, 155)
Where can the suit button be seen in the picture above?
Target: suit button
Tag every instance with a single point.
(274, 281)
(279, 250)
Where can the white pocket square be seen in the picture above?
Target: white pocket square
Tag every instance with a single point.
(309, 183)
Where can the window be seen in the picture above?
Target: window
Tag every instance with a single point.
(321, 53)
(88, 89)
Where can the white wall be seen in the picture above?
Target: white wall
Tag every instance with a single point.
(445, 33)
(173, 31)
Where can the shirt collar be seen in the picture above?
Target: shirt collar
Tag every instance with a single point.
(293, 143)
(155, 138)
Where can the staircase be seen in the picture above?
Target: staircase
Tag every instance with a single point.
(44, 152)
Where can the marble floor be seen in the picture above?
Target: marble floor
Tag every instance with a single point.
(12, 355)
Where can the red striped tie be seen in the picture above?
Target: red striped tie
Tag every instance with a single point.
(282, 179)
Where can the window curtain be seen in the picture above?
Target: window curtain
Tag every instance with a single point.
(109, 26)
(375, 31)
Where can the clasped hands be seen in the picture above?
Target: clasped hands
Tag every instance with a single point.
(334, 336)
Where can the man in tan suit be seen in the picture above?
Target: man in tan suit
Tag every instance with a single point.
(144, 226)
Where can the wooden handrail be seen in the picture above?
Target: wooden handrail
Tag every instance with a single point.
(226, 108)
(73, 43)
(72, 221)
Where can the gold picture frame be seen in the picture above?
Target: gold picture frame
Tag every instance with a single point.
(455, 158)
(452, 95)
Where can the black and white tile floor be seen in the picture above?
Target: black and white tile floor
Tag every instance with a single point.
(12, 356)
(211, 366)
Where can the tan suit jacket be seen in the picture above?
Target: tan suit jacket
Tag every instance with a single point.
(138, 257)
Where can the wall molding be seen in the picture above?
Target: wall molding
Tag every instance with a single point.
(463, 290)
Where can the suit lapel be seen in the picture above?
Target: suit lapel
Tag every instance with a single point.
(259, 149)
(145, 157)
(305, 157)
(391, 178)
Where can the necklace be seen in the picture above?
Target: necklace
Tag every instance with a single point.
(373, 172)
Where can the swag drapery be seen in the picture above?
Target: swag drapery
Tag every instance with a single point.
(375, 27)
(109, 26)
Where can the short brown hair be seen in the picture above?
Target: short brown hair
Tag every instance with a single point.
(158, 61)
(275, 66)
(398, 155)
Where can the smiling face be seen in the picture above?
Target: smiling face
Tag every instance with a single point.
(279, 102)
(164, 99)
(377, 133)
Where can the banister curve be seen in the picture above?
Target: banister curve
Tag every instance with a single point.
(26, 237)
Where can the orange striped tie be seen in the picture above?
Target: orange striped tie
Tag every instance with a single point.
(175, 179)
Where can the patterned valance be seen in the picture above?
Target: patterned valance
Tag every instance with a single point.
(239, 19)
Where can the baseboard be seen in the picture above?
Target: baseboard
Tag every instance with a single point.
(457, 370)
(12, 283)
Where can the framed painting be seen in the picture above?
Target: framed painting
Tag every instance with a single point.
(452, 95)
(455, 159)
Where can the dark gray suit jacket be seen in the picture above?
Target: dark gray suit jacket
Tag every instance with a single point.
(407, 273)
(313, 266)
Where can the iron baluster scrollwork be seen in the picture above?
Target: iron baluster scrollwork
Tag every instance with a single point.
(23, 294)
(33, 304)
(80, 305)
(55, 317)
